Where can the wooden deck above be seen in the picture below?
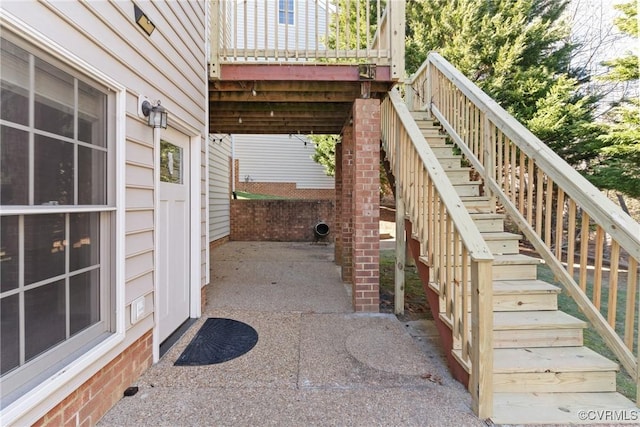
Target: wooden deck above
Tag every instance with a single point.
(290, 98)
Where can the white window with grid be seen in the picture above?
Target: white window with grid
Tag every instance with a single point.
(57, 213)
(285, 12)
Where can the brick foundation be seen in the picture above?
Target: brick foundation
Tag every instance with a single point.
(218, 243)
(86, 405)
(280, 220)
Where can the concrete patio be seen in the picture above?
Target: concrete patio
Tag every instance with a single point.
(316, 362)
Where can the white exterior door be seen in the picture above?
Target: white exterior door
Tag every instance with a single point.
(174, 230)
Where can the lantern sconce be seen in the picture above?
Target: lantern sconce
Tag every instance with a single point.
(156, 114)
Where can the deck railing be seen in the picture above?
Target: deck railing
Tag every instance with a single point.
(308, 31)
(460, 261)
(589, 243)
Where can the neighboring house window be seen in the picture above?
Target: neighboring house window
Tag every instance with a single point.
(57, 216)
(285, 12)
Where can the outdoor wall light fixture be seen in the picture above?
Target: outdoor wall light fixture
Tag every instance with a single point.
(142, 20)
(156, 114)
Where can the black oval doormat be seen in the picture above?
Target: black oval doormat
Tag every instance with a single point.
(217, 341)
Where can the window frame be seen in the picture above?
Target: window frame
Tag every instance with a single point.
(82, 361)
(286, 12)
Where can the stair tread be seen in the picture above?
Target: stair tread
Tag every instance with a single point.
(460, 169)
(467, 183)
(550, 359)
(562, 408)
(509, 320)
(486, 215)
(515, 259)
(500, 235)
(523, 287)
(474, 198)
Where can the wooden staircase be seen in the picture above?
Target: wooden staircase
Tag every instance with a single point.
(542, 372)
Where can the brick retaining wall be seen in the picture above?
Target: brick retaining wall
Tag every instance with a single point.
(280, 220)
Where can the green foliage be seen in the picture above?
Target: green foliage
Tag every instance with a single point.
(325, 151)
(515, 51)
(618, 165)
(354, 24)
(564, 121)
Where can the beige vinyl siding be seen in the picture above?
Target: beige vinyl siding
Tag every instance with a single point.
(219, 187)
(169, 65)
(278, 158)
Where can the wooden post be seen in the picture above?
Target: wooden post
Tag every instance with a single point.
(489, 155)
(481, 381)
(401, 247)
(397, 33)
(214, 22)
(401, 240)
(427, 89)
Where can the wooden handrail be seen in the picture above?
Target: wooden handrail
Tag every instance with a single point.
(614, 221)
(459, 259)
(521, 171)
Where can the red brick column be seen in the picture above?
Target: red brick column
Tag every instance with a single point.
(346, 229)
(338, 207)
(365, 203)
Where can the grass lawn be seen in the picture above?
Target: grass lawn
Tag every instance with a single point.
(251, 196)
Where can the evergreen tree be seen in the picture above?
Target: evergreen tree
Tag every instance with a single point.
(618, 167)
(517, 52)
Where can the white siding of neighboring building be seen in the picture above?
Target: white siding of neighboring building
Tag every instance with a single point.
(258, 16)
(278, 158)
(219, 187)
(169, 65)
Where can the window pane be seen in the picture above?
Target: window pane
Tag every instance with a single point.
(84, 291)
(44, 318)
(9, 334)
(53, 174)
(43, 247)
(14, 74)
(92, 185)
(9, 256)
(85, 240)
(54, 100)
(14, 166)
(170, 163)
(91, 111)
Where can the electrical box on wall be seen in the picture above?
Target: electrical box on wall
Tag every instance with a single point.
(137, 309)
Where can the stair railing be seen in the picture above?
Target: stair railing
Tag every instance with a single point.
(460, 261)
(569, 222)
